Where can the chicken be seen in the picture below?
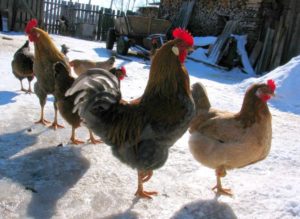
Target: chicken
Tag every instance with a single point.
(64, 49)
(81, 66)
(46, 55)
(140, 132)
(63, 81)
(226, 140)
(22, 65)
(154, 47)
(120, 73)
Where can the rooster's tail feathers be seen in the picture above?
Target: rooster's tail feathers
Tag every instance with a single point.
(96, 90)
(200, 97)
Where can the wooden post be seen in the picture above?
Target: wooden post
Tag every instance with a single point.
(100, 18)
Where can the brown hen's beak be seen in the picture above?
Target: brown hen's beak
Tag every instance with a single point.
(191, 49)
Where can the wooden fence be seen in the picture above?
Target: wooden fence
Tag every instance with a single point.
(83, 20)
(60, 17)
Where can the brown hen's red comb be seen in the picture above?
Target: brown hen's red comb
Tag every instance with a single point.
(123, 69)
(31, 24)
(271, 84)
(179, 33)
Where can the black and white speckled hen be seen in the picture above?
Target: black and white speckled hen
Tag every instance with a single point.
(141, 132)
(22, 65)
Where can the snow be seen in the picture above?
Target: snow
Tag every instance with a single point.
(43, 176)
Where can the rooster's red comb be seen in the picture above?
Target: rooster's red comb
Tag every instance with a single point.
(123, 69)
(271, 84)
(31, 24)
(184, 35)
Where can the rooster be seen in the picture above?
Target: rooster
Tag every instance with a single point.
(141, 132)
(22, 65)
(81, 66)
(226, 140)
(46, 55)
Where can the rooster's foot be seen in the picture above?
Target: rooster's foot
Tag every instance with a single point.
(29, 91)
(43, 122)
(76, 141)
(95, 141)
(55, 126)
(145, 194)
(223, 191)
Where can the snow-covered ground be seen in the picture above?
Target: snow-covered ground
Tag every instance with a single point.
(39, 179)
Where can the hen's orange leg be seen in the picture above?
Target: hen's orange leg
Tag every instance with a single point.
(93, 139)
(42, 120)
(73, 138)
(144, 176)
(55, 124)
(221, 172)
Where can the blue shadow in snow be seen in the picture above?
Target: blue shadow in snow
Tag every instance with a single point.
(202, 71)
(102, 52)
(48, 172)
(203, 209)
(7, 97)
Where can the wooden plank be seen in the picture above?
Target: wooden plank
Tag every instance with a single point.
(57, 16)
(208, 64)
(100, 18)
(51, 25)
(96, 15)
(46, 17)
(28, 8)
(289, 23)
(277, 41)
(215, 51)
(3, 4)
(294, 49)
(255, 52)
(42, 11)
(11, 14)
(265, 58)
(278, 57)
(188, 14)
(82, 13)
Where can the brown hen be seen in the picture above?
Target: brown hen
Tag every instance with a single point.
(226, 140)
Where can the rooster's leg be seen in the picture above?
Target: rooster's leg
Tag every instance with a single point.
(55, 124)
(29, 89)
(73, 139)
(144, 176)
(221, 172)
(93, 139)
(42, 120)
(22, 88)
